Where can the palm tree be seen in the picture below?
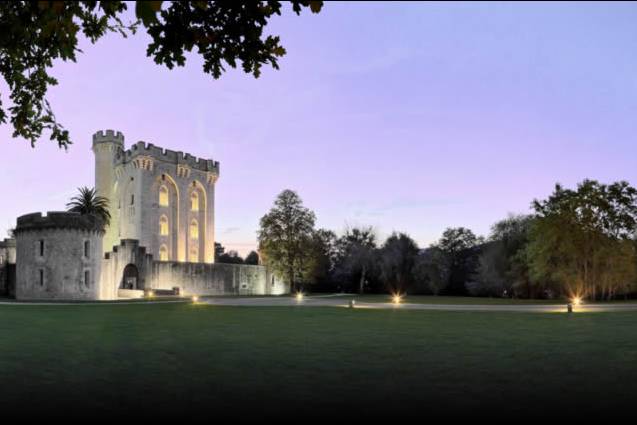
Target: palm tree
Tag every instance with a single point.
(88, 202)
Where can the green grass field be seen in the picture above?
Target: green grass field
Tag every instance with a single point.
(205, 360)
(429, 299)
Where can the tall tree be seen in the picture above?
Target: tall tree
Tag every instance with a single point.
(432, 270)
(357, 254)
(219, 250)
(461, 247)
(321, 254)
(252, 258)
(502, 263)
(34, 34)
(397, 259)
(584, 239)
(88, 202)
(285, 237)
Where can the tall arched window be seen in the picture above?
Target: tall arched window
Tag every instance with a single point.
(194, 255)
(194, 201)
(163, 225)
(163, 196)
(163, 253)
(194, 229)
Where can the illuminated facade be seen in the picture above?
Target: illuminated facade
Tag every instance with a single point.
(162, 198)
(160, 239)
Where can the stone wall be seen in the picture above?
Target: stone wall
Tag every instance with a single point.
(51, 258)
(215, 279)
(7, 267)
(190, 278)
(127, 254)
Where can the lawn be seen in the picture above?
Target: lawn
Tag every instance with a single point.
(212, 361)
(430, 299)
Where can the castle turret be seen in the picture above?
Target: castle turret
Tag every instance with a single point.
(107, 146)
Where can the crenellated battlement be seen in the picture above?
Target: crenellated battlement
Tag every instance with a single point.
(58, 220)
(108, 136)
(166, 155)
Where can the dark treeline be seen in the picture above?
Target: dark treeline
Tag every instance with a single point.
(233, 257)
(576, 243)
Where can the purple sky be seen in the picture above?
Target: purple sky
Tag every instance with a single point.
(408, 117)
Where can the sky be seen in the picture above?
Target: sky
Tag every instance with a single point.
(409, 117)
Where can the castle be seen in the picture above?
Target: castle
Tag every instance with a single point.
(160, 239)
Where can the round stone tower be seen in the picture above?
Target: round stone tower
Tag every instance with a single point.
(107, 146)
(59, 257)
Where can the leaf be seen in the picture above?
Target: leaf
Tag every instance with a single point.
(316, 6)
(278, 51)
(147, 11)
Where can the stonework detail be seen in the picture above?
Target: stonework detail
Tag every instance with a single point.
(59, 257)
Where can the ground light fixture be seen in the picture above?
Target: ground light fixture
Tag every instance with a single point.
(195, 298)
(299, 296)
(151, 294)
(577, 300)
(396, 299)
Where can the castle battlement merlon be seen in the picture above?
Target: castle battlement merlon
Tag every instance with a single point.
(166, 155)
(58, 220)
(108, 136)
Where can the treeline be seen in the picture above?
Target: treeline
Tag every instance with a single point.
(233, 257)
(579, 242)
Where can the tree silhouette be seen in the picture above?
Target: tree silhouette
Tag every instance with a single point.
(34, 34)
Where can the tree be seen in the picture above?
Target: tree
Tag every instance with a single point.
(397, 258)
(460, 245)
(252, 258)
(491, 276)
(230, 257)
(357, 254)
(321, 258)
(285, 235)
(457, 239)
(37, 33)
(583, 240)
(87, 202)
(432, 270)
(502, 267)
(219, 250)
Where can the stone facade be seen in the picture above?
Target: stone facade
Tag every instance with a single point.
(7, 267)
(162, 198)
(130, 270)
(59, 257)
(161, 235)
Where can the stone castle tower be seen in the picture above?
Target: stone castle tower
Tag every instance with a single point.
(162, 198)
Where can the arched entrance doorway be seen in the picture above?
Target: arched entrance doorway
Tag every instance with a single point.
(130, 278)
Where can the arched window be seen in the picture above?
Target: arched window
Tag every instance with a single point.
(194, 229)
(163, 253)
(163, 225)
(194, 255)
(194, 201)
(163, 196)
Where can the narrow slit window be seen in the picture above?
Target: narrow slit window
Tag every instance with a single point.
(194, 201)
(163, 196)
(194, 229)
(163, 226)
(163, 253)
(87, 249)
